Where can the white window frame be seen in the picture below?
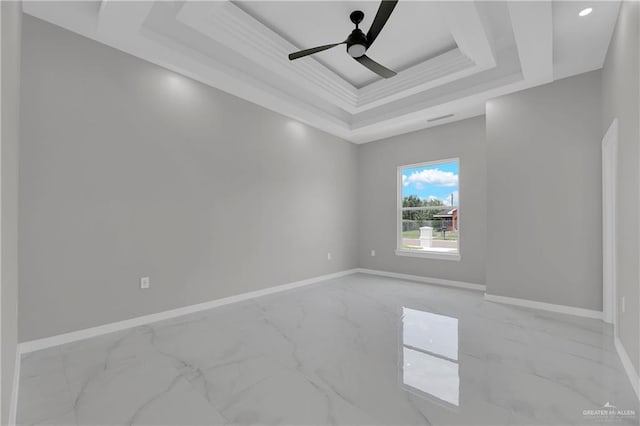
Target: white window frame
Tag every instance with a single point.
(399, 209)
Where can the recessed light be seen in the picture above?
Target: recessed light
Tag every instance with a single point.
(585, 12)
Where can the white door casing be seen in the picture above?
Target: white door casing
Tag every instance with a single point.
(609, 197)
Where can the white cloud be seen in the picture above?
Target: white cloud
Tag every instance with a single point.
(431, 176)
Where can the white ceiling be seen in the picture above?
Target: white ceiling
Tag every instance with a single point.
(450, 56)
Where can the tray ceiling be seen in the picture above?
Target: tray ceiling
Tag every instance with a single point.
(450, 56)
(308, 24)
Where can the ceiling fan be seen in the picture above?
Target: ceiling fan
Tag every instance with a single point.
(357, 42)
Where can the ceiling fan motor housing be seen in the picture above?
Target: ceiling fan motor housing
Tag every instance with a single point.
(356, 43)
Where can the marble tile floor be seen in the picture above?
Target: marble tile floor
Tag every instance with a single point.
(358, 350)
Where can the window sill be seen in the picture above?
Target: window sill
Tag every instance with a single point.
(429, 255)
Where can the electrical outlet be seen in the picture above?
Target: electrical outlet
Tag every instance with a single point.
(623, 305)
(328, 256)
(373, 253)
(145, 282)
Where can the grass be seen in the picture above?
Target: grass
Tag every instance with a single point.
(437, 235)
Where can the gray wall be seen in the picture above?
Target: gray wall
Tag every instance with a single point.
(11, 21)
(544, 197)
(377, 198)
(620, 99)
(128, 170)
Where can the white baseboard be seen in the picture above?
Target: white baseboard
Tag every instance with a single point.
(13, 408)
(428, 280)
(61, 339)
(628, 366)
(562, 309)
(47, 342)
(38, 344)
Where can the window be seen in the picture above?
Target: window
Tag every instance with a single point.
(429, 210)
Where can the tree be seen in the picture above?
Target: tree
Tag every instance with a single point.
(412, 201)
(432, 202)
(421, 215)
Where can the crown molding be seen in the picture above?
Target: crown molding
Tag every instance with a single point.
(474, 53)
(248, 60)
(469, 32)
(439, 70)
(229, 25)
(175, 57)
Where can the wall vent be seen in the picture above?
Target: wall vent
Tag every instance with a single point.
(442, 117)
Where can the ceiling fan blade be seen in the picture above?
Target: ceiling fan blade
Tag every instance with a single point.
(383, 14)
(311, 51)
(375, 67)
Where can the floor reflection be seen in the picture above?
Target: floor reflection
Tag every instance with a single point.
(430, 355)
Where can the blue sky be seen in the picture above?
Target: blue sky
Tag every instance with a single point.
(437, 181)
